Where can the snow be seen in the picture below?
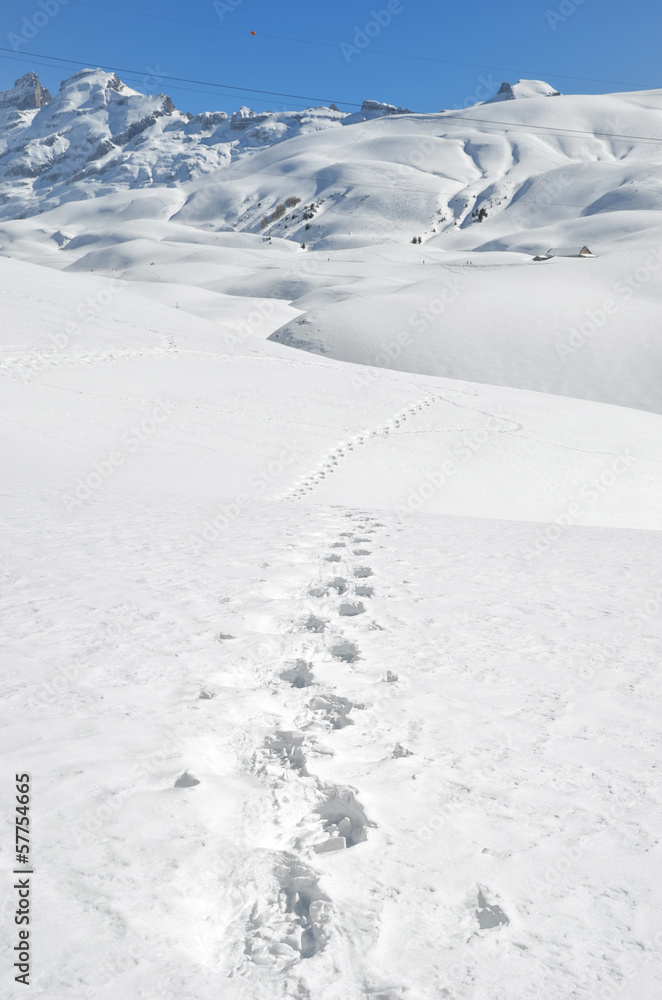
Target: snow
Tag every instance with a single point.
(331, 575)
(26, 94)
(486, 319)
(521, 90)
(98, 136)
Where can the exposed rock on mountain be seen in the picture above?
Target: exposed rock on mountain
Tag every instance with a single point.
(27, 93)
(523, 89)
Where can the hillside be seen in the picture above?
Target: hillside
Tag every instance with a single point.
(330, 558)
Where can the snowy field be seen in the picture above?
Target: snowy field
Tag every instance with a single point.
(332, 588)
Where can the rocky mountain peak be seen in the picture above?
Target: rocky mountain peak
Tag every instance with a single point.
(523, 89)
(26, 94)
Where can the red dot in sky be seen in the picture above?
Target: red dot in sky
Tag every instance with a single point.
(252, 32)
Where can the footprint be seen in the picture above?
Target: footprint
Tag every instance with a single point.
(332, 558)
(186, 780)
(314, 624)
(293, 923)
(361, 552)
(287, 748)
(332, 710)
(343, 820)
(299, 675)
(489, 915)
(345, 651)
(338, 545)
(318, 592)
(206, 694)
(364, 591)
(361, 572)
(339, 585)
(349, 610)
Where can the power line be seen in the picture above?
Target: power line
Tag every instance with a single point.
(560, 131)
(449, 117)
(368, 51)
(143, 76)
(175, 20)
(184, 79)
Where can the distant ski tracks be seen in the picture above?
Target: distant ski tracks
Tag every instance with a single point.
(18, 368)
(330, 462)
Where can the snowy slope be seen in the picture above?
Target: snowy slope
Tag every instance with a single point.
(586, 328)
(335, 668)
(582, 328)
(522, 89)
(243, 631)
(97, 136)
(549, 172)
(571, 169)
(85, 356)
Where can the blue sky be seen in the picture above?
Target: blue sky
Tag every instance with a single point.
(422, 54)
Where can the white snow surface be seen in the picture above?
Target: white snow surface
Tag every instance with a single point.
(331, 576)
(97, 136)
(522, 89)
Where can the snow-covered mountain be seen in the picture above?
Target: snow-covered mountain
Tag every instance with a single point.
(95, 180)
(572, 169)
(560, 171)
(97, 135)
(522, 89)
(330, 560)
